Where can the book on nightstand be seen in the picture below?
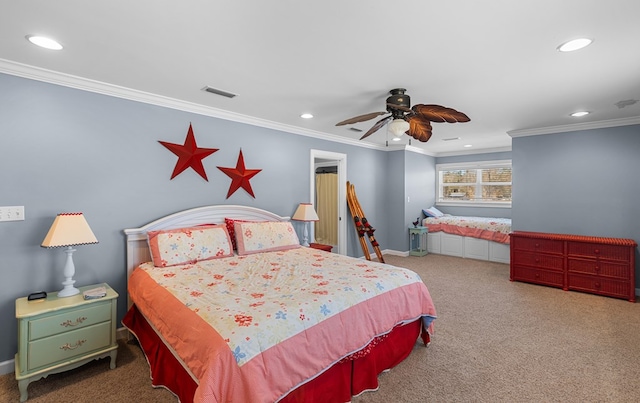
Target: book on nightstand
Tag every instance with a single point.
(95, 293)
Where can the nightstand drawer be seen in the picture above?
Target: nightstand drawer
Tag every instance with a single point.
(70, 319)
(68, 345)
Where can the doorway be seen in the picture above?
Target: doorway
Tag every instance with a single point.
(337, 163)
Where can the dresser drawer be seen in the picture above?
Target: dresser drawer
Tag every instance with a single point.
(610, 252)
(537, 245)
(68, 345)
(541, 260)
(538, 276)
(599, 285)
(595, 267)
(70, 319)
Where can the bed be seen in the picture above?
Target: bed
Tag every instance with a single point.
(484, 238)
(270, 321)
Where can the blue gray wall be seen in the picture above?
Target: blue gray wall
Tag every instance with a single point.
(66, 150)
(582, 182)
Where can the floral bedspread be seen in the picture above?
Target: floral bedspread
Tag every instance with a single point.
(491, 229)
(312, 307)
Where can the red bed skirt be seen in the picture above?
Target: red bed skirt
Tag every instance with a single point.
(337, 384)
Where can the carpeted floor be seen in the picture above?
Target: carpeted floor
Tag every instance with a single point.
(495, 341)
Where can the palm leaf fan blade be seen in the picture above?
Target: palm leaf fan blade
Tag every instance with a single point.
(376, 127)
(361, 118)
(419, 129)
(437, 113)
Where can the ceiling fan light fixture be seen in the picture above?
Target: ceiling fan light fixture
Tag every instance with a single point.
(574, 44)
(397, 127)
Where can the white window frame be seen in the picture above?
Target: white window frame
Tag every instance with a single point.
(468, 166)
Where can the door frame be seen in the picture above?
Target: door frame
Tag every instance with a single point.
(340, 160)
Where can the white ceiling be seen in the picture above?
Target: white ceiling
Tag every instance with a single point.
(495, 60)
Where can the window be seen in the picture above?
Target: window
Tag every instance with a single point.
(481, 183)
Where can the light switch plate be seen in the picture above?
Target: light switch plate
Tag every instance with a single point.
(11, 213)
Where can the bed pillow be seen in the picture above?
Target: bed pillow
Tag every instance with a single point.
(232, 231)
(255, 237)
(189, 245)
(433, 212)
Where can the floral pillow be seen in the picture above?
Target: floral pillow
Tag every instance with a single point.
(255, 237)
(231, 230)
(189, 245)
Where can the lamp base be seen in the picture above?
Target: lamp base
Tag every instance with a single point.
(305, 239)
(68, 291)
(69, 271)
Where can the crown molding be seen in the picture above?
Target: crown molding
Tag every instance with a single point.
(600, 124)
(85, 84)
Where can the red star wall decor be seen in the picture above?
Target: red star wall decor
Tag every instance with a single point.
(240, 176)
(189, 155)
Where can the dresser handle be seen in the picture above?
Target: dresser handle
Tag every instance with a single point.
(70, 347)
(69, 323)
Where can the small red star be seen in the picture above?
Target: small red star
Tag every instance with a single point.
(189, 155)
(240, 176)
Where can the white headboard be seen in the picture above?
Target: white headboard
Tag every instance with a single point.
(138, 249)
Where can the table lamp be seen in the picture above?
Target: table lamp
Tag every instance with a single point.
(67, 230)
(306, 213)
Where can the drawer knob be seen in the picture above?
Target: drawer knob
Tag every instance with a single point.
(597, 285)
(537, 275)
(78, 321)
(537, 260)
(597, 268)
(596, 251)
(537, 245)
(68, 346)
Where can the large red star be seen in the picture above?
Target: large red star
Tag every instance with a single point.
(240, 176)
(189, 155)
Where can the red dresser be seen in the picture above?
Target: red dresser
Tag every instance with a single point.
(604, 266)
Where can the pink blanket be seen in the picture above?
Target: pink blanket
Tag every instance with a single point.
(491, 229)
(255, 327)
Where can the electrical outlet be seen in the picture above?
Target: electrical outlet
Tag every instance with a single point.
(12, 213)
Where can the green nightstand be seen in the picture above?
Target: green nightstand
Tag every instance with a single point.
(59, 334)
(418, 241)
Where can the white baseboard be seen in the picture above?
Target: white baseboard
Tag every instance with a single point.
(7, 367)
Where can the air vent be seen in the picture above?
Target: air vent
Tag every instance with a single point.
(451, 139)
(218, 92)
(355, 129)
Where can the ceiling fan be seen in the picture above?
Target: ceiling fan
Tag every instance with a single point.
(413, 120)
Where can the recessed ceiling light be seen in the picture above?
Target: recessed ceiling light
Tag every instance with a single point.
(574, 44)
(44, 42)
(306, 116)
(396, 138)
(580, 113)
(467, 145)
